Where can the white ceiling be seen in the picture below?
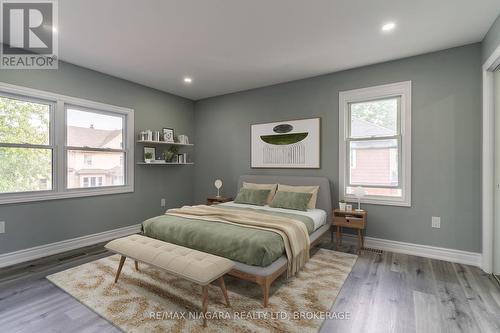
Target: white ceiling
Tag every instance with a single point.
(232, 45)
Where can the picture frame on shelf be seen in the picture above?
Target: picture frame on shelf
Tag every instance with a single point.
(168, 135)
(150, 150)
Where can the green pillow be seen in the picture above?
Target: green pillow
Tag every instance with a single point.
(291, 200)
(252, 196)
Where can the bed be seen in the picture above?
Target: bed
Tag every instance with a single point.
(258, 255)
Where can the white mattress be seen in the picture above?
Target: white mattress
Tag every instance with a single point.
(317, 215)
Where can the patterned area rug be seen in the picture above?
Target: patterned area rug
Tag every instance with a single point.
(153, 301)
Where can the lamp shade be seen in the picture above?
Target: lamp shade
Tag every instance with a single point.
(359, 192)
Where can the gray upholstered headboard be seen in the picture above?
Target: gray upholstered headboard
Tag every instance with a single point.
(324, 195)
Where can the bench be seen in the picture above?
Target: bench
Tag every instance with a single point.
(196, 266)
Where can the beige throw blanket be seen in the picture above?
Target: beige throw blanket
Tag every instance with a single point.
(293, 232)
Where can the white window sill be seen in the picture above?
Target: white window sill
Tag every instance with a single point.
(380, 201)
(75, 193)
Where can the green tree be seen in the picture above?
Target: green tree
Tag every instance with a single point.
(382, 113)
(24, 169)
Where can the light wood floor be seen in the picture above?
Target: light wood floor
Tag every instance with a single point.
(386, 292)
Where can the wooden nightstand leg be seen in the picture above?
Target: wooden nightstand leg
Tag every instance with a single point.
(363, 239)
(359, 241)
(337, 239)
(340, 242)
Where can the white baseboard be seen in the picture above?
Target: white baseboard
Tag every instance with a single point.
(441, 253)
(458, 256)
(12, 258)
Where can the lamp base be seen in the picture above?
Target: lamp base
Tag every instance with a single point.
(359, 210)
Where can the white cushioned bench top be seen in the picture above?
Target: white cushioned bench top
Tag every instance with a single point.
(196, 266)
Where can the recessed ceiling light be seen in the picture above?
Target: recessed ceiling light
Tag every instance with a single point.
(388, 26)
(188, 80)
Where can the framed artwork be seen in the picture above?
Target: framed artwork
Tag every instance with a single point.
(151, 150)
(286, 144)
(168, 134)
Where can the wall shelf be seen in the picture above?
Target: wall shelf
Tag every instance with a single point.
(165, 143)
(169, 163)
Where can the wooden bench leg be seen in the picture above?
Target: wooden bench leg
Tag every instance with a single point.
(265, 292)
(204, 292)
(224, 290)
(120, 266)
(136, 265)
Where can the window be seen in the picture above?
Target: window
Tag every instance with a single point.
(54, 146)
(87, 159)
(375, 143)
(93, 181)
(94, 145)
(25, 144)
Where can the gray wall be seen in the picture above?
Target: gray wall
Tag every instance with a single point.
(33, 224)
(446, 118)
(492, 40)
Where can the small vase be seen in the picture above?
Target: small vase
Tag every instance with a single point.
(147, 160)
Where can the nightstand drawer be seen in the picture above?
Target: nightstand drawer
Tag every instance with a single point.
(349, 221)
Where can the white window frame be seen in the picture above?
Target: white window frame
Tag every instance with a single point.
(401, 90)
(87, 159)
(58, 142)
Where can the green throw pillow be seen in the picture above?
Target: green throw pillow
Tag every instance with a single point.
(291, 200)
(252, 196)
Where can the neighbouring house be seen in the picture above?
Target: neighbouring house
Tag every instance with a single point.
(90, 168)
(374, 162)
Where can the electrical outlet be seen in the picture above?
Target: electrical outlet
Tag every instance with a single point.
(163, 202)
(2, 227)
(436, 222)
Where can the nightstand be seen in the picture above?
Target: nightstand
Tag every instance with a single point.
(217, 200)
(350, 219)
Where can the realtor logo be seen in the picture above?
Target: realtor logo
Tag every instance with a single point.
(29, 34)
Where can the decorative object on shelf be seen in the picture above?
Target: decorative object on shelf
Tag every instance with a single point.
(359, 193)
(158, 161)
(168, 135)
(342, 204)
(286, 144)
(146, 135)
(218, 186)
(149, 154)
(170, 153)
(348, 207)
(183, 139)
(180, 159)
(156, 136)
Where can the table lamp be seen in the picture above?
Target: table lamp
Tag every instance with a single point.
(218, 186)
(359, 193)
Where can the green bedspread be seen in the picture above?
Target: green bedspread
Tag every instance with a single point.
(243, 244)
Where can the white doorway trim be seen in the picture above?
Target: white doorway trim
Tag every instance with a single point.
(488, 158)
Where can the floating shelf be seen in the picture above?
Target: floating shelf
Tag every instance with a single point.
(144, 163)
(166, 143)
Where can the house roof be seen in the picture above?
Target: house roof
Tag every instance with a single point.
(91, 137)
(363, 126)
